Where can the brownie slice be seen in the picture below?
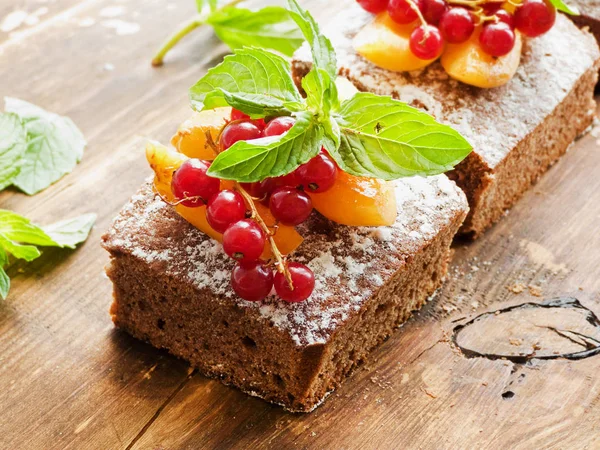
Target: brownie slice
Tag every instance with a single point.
(171, 288)
(518, 130)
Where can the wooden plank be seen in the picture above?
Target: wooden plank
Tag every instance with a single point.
(72, 381)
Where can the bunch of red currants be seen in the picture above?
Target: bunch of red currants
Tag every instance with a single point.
(454, 22)
(227, 211)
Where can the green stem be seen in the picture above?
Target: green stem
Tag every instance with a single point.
(184, 30)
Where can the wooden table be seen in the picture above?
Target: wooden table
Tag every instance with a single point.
(69, 379)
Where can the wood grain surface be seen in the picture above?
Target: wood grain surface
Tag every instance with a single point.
(71, 380)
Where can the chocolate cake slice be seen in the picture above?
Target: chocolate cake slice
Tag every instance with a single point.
(518, 130)
(171, 288)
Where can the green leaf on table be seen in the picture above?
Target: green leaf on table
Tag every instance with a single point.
(564, 7)
(13, 142)
(4, 280)
(20, 238)
(321, 47)
(387, 139)
(54, 146)
(68, 233)
(269, 27)
(249, 161)
(254, 74)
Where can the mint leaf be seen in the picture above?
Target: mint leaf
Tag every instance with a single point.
(321, 47)
(562, 6)
(387, 139)
(268, 27)
(13, 142)
(264, 75)
(20, 238)
(68, 233)
(249, 161)
(55, 145)
(4, 280)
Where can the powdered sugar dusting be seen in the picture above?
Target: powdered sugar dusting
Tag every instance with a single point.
(494, 121)
(350, 263)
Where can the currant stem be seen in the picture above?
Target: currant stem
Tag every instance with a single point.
(280, 260)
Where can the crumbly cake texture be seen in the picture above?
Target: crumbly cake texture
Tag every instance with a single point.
(517, 131)
(171, 288)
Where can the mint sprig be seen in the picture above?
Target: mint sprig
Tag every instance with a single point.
(52, 147)
(21, 239)
(269, 27)
(368, 135)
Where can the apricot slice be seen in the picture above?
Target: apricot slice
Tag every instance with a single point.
(191, 137)
(386, 44)
(357, 201)
(165, 161)
(467, 62)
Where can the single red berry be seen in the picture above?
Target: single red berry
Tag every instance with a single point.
(290, 205)
(504, 16)
(303, 282)
(373, 6)
(239, 131)
(225, 208)
(426, 42)
(191, 182)
(433, 10)
(403, 11)
(497, 39)
(535, 17)
(318, 174)
(244, 240)
(252, 281)
(457, 25)
(279, 125)
(238, 115)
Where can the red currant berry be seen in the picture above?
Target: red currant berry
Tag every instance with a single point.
(317, 175)
(535, 17)
(239, 131)
(457, 25)
(238, 115)
(504, 16)
(290, 205)
(497, 39)
(252, 281)
(191, 182)
(426, 42)
(303, 281)
(373, 6)
(225, 208)
(244, 240)
(280, 125)
(433, 10)
(402, 11)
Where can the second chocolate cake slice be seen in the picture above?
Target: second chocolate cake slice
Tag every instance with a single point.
(518, 130)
